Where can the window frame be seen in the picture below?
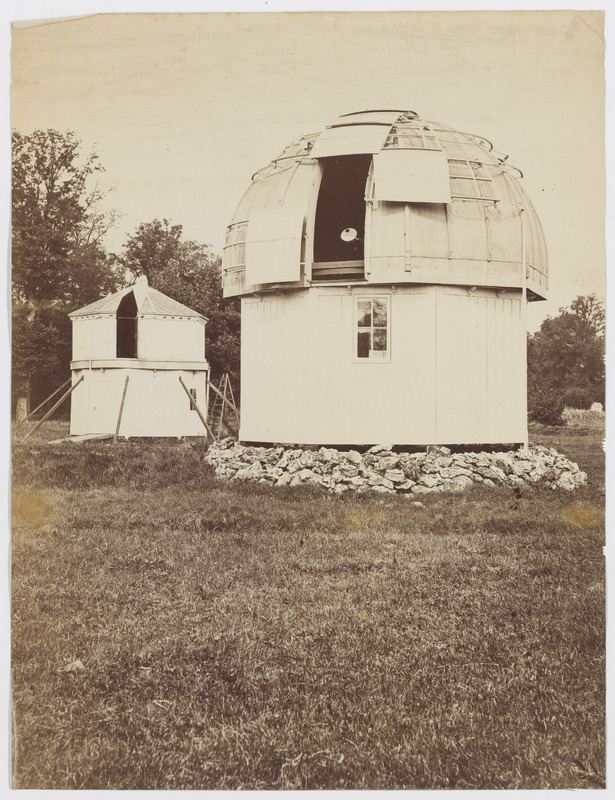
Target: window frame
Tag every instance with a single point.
(473, 175)
(413, 135)
(357, 298)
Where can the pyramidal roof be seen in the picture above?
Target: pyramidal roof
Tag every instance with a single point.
(150, 302)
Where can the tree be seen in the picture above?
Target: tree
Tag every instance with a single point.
(566, 357)
(58, 225)
(190, 273)
(591, 311)
(58, 259)
(41, 345)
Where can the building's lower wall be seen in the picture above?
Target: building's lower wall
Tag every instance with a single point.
(456, 372)
(155, 402)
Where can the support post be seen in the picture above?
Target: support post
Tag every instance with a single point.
(119, 417)
(53, 408)
(197, 409)
(46, 400)
(524, 316)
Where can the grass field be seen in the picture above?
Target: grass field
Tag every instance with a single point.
(175, 632)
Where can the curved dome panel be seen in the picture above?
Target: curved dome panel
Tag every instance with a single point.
(429, 204)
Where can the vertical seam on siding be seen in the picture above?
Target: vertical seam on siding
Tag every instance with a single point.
(292, 171)
(487, 230)
(407, 238)
(448, 232)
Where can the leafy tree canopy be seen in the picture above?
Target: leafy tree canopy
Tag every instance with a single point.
(58, 224)
(566, 355)
(58, 258)
(41, 349)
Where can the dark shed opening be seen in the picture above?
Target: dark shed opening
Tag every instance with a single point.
(127, 314)
(340, 215)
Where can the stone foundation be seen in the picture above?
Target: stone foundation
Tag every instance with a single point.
(382, 470)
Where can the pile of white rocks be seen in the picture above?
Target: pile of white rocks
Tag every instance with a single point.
(381, 469)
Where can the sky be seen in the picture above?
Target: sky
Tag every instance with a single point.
(184, 108)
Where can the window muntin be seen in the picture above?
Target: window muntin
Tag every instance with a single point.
(372, 315)
(412, 136)
(470, 180)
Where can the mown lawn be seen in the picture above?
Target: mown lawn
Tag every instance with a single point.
(175, 632)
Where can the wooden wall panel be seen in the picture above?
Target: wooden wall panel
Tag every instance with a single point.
(427, 231)
(467, 230)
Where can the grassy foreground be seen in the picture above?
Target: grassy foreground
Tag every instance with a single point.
(175, 632)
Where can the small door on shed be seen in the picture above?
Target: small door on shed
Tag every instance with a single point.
(127, 332)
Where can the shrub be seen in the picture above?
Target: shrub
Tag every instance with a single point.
(545, 405)
(578, 397)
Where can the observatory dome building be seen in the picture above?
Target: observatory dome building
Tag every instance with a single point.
(384, 266)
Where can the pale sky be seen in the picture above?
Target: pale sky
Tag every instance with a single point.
(184, 108)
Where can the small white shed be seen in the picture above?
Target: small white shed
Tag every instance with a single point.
(132, 351)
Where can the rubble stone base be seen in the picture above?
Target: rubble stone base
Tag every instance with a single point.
(382, 470)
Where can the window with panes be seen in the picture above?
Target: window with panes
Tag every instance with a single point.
(372, 328)
(470, 180)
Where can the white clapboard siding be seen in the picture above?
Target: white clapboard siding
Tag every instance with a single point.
(435, 389)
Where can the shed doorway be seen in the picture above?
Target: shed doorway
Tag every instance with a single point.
(339, 228)
(127, 330)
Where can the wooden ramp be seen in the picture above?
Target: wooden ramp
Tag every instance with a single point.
(86, 437)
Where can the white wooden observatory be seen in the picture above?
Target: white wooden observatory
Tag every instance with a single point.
(384, 266)
(132, 351)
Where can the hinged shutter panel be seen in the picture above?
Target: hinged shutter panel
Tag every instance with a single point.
(273, 245)
(347, 140)
(412, 176)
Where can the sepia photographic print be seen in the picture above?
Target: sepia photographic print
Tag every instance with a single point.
(307, 400)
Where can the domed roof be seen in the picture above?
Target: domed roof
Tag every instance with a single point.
(427, 203)
(373, 131)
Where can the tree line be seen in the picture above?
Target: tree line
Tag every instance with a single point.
(60, 263)
(565, 360)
